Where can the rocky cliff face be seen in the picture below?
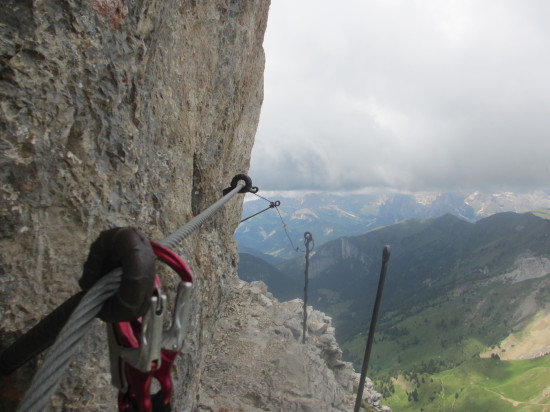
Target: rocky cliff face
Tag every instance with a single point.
(260, 363)
(120, 113)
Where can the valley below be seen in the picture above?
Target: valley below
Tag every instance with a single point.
(476, 385)
(464, 322)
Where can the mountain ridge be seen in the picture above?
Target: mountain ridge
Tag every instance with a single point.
(449, 280)
(330, 216)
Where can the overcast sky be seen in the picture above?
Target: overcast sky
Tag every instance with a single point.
(405, 95)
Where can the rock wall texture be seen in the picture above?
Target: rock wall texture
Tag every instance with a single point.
(120, 113)
(260, 363)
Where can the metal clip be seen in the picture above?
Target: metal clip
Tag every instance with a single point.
(140, 350)
(172, 339)
(148, 349)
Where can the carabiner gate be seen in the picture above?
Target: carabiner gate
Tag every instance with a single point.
(140, 350)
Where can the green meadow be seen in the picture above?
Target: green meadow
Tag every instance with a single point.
(477, 385)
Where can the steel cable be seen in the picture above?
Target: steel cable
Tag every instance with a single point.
(295, 248)
(175, 238)
(56, 361)
(275, 205)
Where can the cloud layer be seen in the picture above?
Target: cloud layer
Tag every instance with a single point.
(405, 95)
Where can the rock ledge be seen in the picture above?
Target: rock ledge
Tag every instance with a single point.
(258, 363)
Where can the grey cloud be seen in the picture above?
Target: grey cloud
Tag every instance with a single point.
(405, 95)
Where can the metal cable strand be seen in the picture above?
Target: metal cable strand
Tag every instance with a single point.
(275, 205)
(47, 378)
(257, 213)
(175, 238)
(295, 248)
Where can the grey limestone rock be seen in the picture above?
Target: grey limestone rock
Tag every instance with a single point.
(115, 113)
(262, 365)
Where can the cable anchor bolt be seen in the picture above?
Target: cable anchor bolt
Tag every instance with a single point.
(248, 188)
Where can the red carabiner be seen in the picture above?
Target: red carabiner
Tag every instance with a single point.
(141, 352)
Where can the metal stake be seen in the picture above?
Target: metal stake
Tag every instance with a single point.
(308, 238)
(385, 259)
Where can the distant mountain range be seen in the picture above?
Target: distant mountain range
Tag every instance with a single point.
(454, 287)
(330, 216)
(283, 287)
